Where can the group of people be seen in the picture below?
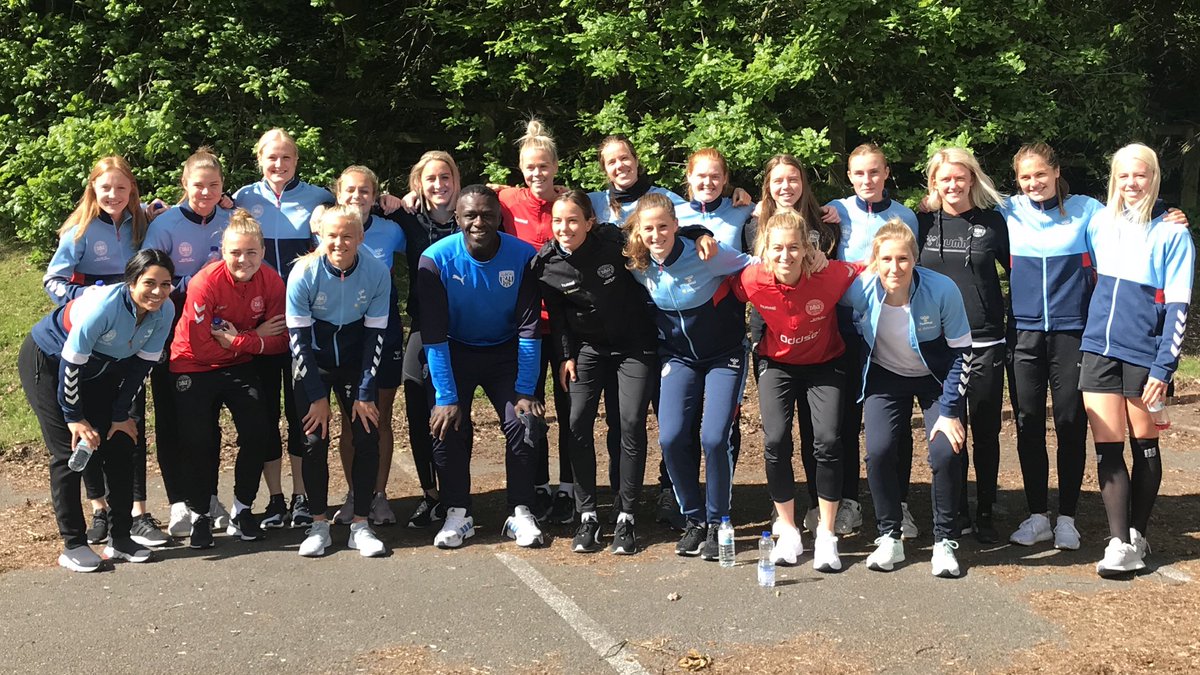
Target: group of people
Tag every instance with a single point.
(633, 295)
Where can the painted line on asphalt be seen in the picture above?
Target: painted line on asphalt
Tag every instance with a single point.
(601, 642)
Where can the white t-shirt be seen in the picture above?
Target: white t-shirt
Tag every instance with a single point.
(892, 350)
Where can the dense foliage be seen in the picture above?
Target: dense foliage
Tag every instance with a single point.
(376, 83)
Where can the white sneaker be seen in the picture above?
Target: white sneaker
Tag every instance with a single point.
(381, 510)
(1034, 529)
(908, 526)
(825, 553)
(1138, 540)
(1119, 557)
(345, 513)
(888, 551)
(218, 513)
(811, 519)
(317, 539)
(849, 517)
(1066, 537)
(457, 528)
(363, 539)
(180, 524)
(788, 547)
(523, 527)
(944, 562)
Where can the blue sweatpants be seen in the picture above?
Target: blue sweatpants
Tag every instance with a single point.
(495, 370)
(685, 386)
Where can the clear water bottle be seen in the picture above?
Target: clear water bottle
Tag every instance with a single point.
(214, 253)
(1158, 411)
(81, 455)
(766, 566)
(727, 553)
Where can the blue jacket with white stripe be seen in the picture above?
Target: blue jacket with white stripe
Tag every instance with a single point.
(698, 316)
(938, 330)
(1138, 312)
(1052, 274)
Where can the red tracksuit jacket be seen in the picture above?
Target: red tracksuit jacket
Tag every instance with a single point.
(801, 322)
(212, 292)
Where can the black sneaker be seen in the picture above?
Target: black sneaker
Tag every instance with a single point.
(301, 516)
(98, 532)
(201, 532)
(712, 549)
(543, 503)
(124, 548)
(668, 511)
(428, 511)
(624, 538)
(587, 537)
(276, 515)
(147, 531)
(985, 531)
(562, 510)
(245, 526)
(692, 541)
(964, 524)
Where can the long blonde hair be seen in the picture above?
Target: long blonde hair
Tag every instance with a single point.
(983, 192)
(784, 221)
(414, 175)
(88, 208)
(328, 215)
(635, 248)
(1143, 211)
(893, 230)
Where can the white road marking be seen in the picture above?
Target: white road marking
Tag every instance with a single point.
(595, 635)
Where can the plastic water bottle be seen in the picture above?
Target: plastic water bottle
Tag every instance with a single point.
(81, 455)
(766, 566)
(1158, 411)
(727, 553)
(214, 253)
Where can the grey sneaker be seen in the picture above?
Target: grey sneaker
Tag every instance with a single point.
(79, 559)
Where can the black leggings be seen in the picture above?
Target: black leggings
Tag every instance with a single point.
(985, 399)
(633, 376)
(1040, 358)
(365, 466)
(416, 410)
(781, 387)
(39, 378)
(562, 409)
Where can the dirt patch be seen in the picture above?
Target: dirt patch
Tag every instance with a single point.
(809, 652)
(432, 659)
(26, 469)
(1146, 626)
(30, 538)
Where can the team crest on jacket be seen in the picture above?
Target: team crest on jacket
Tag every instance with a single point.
(257, 304)
(256, 210)
(100, 248)
(109, 336)
(185, 249)
(978, 231)
(507, 277)
(814, 307)
(605, 271)
(183, 383)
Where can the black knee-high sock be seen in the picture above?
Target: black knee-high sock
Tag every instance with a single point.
(1146, 477)
(1114, 487)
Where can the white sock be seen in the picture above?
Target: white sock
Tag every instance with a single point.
(625, 517)
(588, 515)
(568, 488)
(238, 507)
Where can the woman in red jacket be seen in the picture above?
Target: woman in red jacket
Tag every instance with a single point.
(234, 311)
(799, 360)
